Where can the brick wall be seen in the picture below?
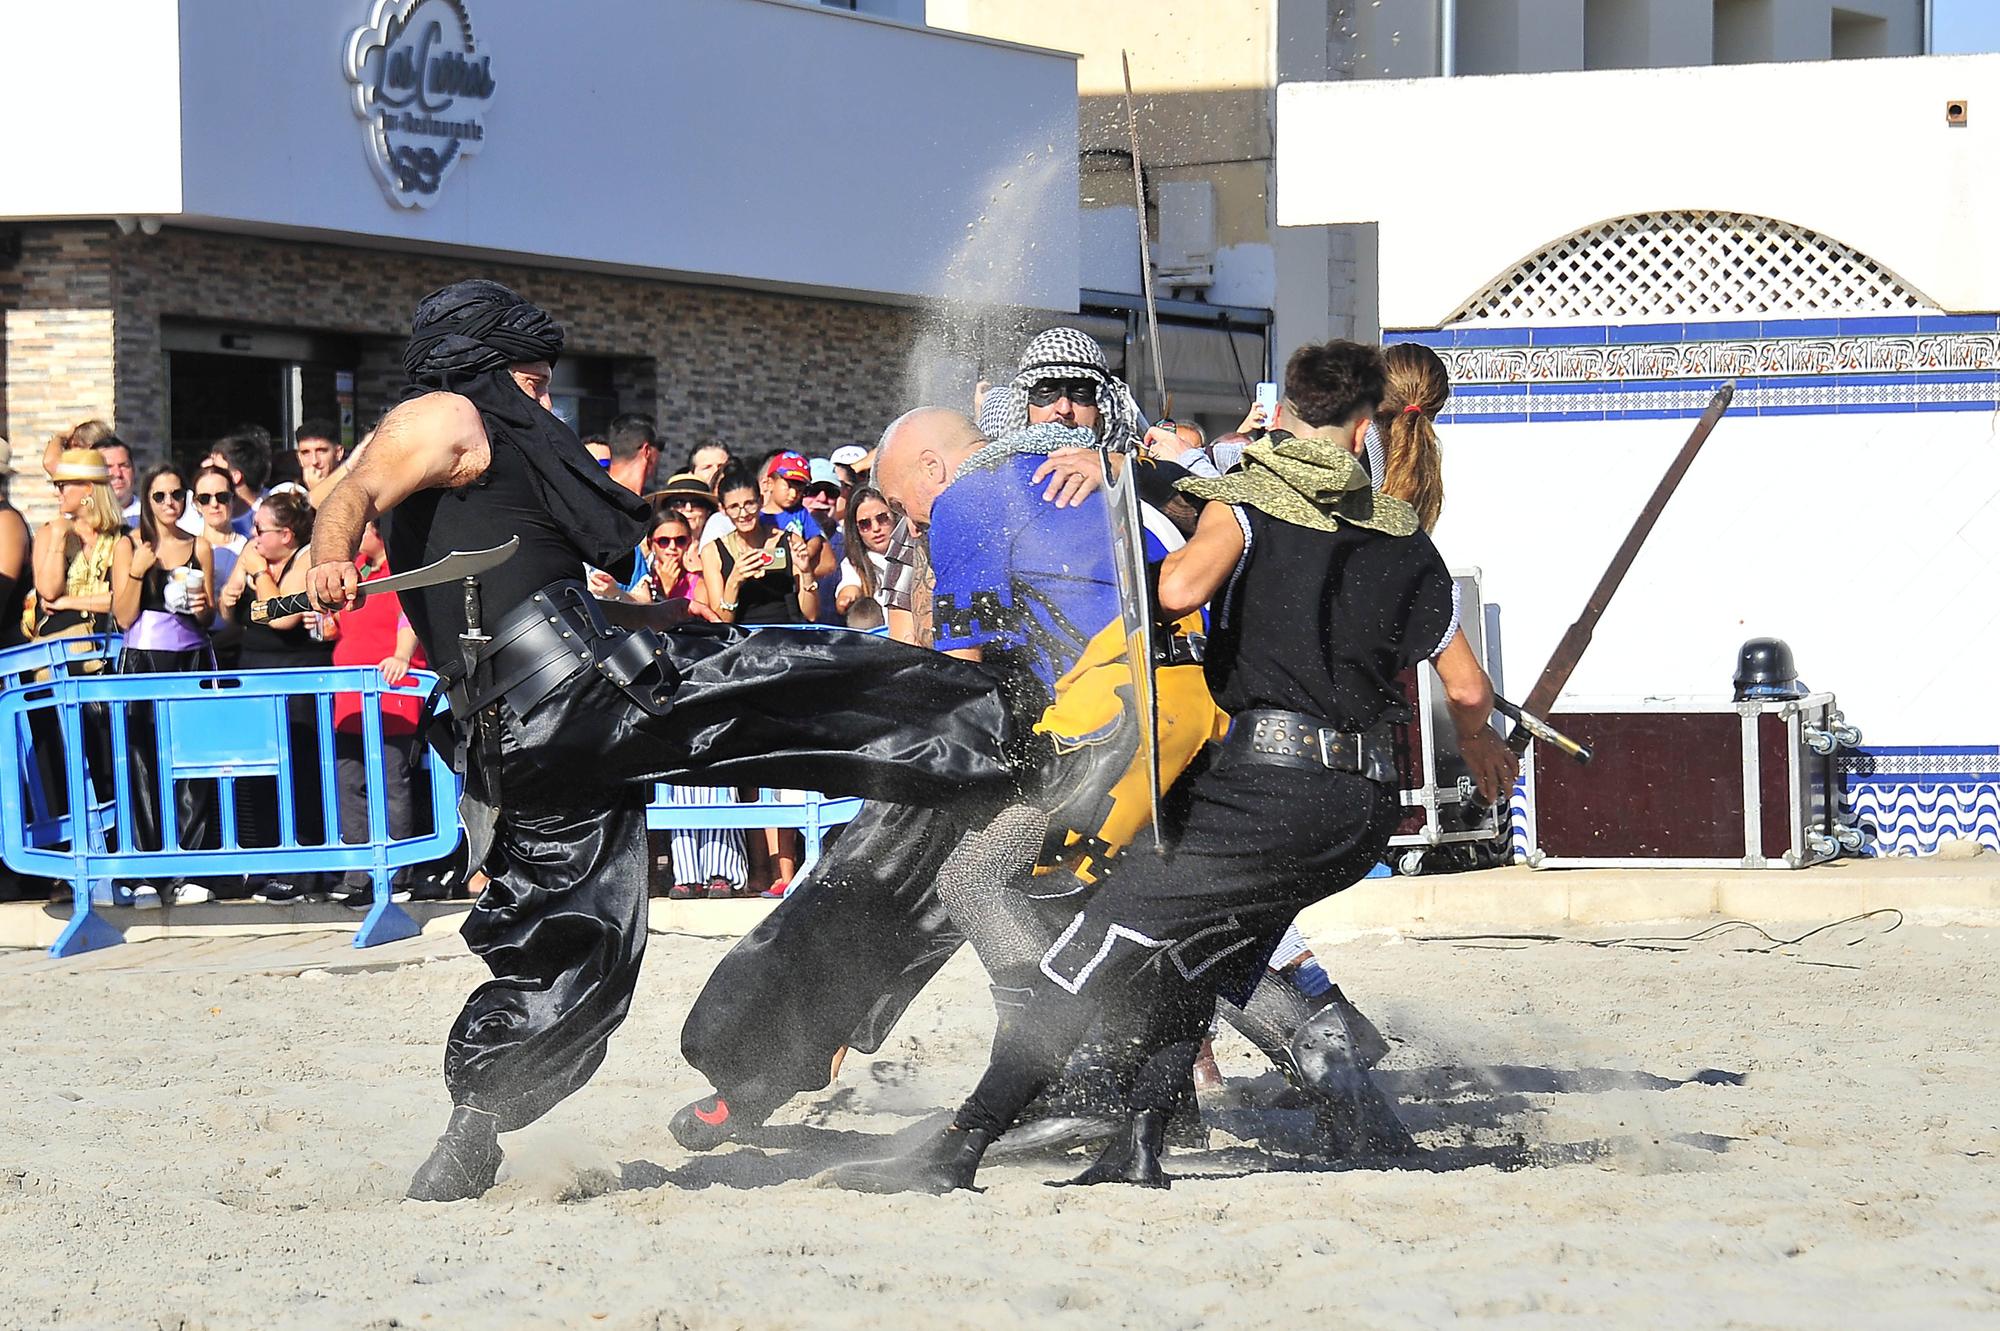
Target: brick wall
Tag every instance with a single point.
(83, 306)
(56, 326)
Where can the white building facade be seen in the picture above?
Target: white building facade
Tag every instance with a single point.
(739, 208)
(1702, 226)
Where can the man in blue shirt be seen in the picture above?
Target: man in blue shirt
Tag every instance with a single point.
(1019, 580)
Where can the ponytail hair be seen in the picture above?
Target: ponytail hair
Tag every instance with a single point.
(1417, 390)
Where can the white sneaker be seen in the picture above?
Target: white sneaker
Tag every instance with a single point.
(190, 894)
(145, 897)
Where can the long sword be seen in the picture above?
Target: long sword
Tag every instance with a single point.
(1569, 652)
(458, 564)
(1145, 242)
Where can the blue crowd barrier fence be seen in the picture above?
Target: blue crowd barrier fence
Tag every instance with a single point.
(221, 728)
(47, 817)
(226, 727)
(811, 815)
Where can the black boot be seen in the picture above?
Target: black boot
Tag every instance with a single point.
(1133, 1156)
(464, 1161)
(717, 1119)
(1351, 1115)
(943, 1164)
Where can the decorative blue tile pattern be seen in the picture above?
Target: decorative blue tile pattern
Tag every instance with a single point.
(1659, 371)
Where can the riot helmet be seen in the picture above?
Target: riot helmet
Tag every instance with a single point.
(1764, 669)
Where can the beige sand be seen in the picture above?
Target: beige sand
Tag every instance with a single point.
(182, 1151)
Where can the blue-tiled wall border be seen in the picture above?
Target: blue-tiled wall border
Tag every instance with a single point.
(1847, 392)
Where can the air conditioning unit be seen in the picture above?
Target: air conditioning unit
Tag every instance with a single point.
(1185, 255)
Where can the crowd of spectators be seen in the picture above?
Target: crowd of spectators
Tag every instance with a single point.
(174, 561)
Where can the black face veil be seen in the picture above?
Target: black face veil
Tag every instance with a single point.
(462, 340)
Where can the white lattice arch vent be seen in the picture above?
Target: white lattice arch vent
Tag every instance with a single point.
(1682, 265)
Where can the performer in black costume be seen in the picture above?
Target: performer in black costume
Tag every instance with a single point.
(1327, 591)
(564, 720)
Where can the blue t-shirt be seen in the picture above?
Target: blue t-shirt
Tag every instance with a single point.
(1018, 576)
(798, 520)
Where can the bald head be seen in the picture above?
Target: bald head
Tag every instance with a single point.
(919, 452)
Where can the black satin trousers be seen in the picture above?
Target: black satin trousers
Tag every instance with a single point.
(836, 963)
(562, 924)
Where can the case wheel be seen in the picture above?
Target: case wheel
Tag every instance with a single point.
(1410, 863)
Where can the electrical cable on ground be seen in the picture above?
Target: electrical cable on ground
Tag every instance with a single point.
(1666, 942)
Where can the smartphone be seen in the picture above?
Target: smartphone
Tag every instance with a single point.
(1267, 398)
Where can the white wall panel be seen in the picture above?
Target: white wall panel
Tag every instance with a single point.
(741, 140)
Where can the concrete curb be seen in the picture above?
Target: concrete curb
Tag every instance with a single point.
(1519, 896)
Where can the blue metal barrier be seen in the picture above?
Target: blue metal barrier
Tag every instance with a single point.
(812, 816)
(223, 728)
(55, 658)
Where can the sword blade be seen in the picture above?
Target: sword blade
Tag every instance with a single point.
(458, 564)
(1145, 243)
(1569, 652)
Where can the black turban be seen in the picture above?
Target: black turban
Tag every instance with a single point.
(473, 327)
(462, 341)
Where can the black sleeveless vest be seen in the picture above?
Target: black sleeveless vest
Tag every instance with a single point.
(504, 502)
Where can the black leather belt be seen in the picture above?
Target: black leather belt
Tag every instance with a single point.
(1182, 649)
(1296, 739)
(559, 633)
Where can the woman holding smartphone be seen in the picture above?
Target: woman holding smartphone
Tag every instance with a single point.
(757, 573)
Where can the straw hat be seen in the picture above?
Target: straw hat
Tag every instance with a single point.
(82, 464)
(685, 485)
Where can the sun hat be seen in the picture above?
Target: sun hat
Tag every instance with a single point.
(82, 464)
(1312, 483)
(685, 485)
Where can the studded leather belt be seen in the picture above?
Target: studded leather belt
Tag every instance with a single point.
(558, 634)
(1296, 739)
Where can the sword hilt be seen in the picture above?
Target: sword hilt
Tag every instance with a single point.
(279, 607)
(1529, 726)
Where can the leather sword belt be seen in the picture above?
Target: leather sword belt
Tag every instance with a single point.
(1182, 649)
(556, 635)
(1295, 739)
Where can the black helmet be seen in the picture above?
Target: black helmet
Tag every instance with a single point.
(1764, 669)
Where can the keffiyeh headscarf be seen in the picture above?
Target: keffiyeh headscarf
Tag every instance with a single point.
(1311, 483)
(462, 340)
(1068, 353)
(1041, 440)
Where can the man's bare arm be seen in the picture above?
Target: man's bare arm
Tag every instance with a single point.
(432, 442)
(1193, 574)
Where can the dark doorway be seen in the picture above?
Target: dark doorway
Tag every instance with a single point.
(210, 395)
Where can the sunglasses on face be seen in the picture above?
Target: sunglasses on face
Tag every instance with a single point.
(669, 542)
(878, 520)
(209, 496)
(166, 496)
(1080, 392)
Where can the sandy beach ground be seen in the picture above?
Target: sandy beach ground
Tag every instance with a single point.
(1677, 1137)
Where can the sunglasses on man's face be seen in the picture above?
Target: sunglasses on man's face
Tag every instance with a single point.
(209, 496)
(1080, 392)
